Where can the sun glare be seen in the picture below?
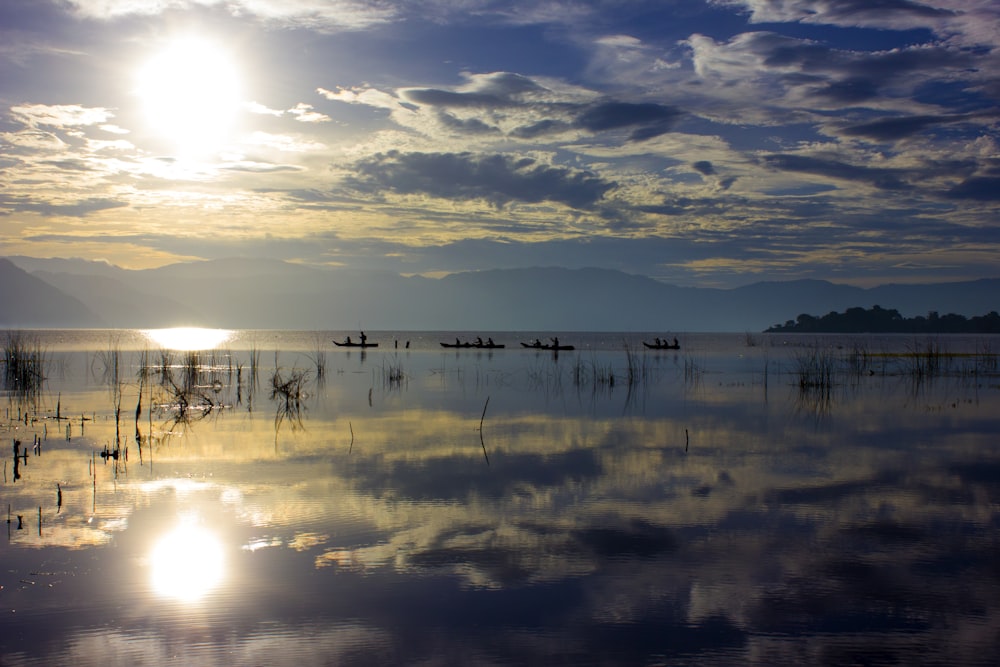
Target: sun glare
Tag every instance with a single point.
(187, 563)
(188, 338)
(190, 92)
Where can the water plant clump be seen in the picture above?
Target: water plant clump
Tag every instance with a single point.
(815, 369)
(392, 375)
(24, 364)
(288, 391)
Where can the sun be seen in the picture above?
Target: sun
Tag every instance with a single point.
(190, 94)
(186, 563)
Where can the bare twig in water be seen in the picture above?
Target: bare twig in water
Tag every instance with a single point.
(481, 441)
(484, 413)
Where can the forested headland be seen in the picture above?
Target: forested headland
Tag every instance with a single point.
(881, 320)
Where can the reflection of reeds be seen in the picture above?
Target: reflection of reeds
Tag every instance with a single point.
(986, 358)
(289, 388)
(926, 361)
(288, 392)
(859, 360)
(319, 356)
(392, 374)
(110, 361)
(815, 369)
(636, 370)
(692, 370)
(24, 364)
(594, 374)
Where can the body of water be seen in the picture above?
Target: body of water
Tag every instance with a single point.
(275, 499)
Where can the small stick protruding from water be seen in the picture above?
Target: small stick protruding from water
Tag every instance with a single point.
(349, 449)
(687, 440)
(484, 414)
(481, 441)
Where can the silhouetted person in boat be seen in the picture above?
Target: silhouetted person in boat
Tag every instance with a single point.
(348, 340)
(479, 341)
(457, 342)
(363, 337)
(656, 341)
(538, 343)
(489, 341)
(555, 342)
(676, 344)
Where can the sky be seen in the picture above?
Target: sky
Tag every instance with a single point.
(709, 143)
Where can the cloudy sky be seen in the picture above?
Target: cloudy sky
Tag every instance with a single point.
(701, 142)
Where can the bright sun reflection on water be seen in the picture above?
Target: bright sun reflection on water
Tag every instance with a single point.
(187, 563)
(188, 338)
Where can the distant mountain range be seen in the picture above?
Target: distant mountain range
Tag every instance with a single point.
(270, 294)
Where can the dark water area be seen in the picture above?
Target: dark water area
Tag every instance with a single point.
(271, 499)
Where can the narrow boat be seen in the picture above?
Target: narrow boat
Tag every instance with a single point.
(353, 344)
(476, 346)
(546, 346)
(662, 346)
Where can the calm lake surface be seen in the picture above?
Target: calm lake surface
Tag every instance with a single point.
(277, 500)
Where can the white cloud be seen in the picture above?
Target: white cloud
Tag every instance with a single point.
(37, 140)
(260, 109)
(320, 15)
(283, 142)
(304, 113)
(60, 115)
(114, 129)
(966, 22)
(361, 95)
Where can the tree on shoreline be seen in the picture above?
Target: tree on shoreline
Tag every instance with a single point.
(880, 320)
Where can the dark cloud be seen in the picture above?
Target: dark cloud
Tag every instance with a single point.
(77, 209)
(881, 9)
(446, 98)
(498, 179)
(465, 125)
(727, 182)
(704, 167)
(849, 91)
(980, 188)
(649, 119)
(850, 77)
(491, 92)
(884, 179)
(540, 128)
(886, 64)
(888, 129)
(261, 167)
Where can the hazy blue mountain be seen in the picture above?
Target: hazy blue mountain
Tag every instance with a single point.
(118, 303)
(263, 293)
(28, 302)
(70, 265)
